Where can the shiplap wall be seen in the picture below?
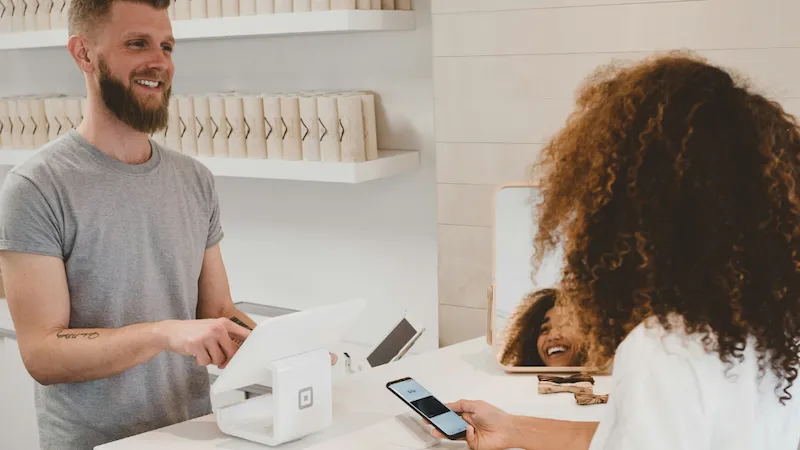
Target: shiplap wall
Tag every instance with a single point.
(505, 74)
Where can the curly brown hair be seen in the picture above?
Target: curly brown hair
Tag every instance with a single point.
(673, 190)
(524, 327)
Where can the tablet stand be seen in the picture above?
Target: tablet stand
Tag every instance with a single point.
(300, 404)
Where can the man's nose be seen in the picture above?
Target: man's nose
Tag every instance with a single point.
(158, 60)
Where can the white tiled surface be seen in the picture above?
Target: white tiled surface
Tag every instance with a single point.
(506, 73)
(458, 6)
(774, 70)
(614, 28)
(525, 121)
(526, 99)
(459, 324)
(788, 31)
(465, 265)
(487, 164)
(559, 75)
(531, 76)
(792, 106)
(466, 204)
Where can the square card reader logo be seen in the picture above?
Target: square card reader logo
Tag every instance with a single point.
(305, 398)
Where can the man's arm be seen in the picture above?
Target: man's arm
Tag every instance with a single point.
(38, 298)
(52, 353)
(214, 293)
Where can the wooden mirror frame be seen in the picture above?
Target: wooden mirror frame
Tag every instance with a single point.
(496, 343)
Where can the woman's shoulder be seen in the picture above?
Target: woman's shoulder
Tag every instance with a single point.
(653, 350)
(652, 337)
(651, 344)
(668, 376)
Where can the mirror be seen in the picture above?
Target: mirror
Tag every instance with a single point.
(528, 333)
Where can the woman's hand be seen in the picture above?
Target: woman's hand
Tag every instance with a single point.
(489, 427)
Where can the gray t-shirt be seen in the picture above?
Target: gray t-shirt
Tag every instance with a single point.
(132, 238)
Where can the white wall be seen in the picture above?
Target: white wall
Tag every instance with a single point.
(297, 244)
(505, 74)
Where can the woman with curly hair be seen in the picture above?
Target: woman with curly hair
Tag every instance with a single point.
(539, 334)
(674, 191)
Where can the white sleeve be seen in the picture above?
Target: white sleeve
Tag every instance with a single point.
(656, 402)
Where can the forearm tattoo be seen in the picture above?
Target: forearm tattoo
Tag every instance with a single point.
(240, 323)
(236, 320)
(65, 334)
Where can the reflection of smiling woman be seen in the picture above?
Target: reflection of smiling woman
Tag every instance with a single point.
(539, 334)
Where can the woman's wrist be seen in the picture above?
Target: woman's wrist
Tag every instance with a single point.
(534, 433)
(522, 432)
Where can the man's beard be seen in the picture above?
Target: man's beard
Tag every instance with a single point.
(125, 106)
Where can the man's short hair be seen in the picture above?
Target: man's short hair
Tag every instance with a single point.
(85, 15)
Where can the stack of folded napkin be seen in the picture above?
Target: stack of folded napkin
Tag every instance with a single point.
(580, 385)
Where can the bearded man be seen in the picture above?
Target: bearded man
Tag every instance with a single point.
(109, 246)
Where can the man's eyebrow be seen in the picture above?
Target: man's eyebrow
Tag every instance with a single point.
(135, 35)
(138, 35)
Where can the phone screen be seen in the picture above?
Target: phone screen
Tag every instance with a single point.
(432, 409)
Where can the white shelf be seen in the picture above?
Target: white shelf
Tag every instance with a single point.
(343, 21)
(389, 163)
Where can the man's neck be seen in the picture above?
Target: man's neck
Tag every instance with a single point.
(114, 138)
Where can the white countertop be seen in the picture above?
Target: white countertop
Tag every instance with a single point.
(363, 408)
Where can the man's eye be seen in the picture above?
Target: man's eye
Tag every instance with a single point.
(167, 48)
(137, 44)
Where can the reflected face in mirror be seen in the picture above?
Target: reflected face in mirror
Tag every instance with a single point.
(558, 342)
(540, 334)
(532, 330)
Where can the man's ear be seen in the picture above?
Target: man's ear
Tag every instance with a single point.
(78, 47)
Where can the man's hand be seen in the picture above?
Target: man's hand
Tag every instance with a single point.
(489, 428)
(209, 341)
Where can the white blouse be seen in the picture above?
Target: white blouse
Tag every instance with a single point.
(669, 393)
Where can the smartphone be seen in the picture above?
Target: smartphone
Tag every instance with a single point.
(426, 405)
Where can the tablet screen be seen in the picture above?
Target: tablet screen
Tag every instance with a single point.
(392, 345)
